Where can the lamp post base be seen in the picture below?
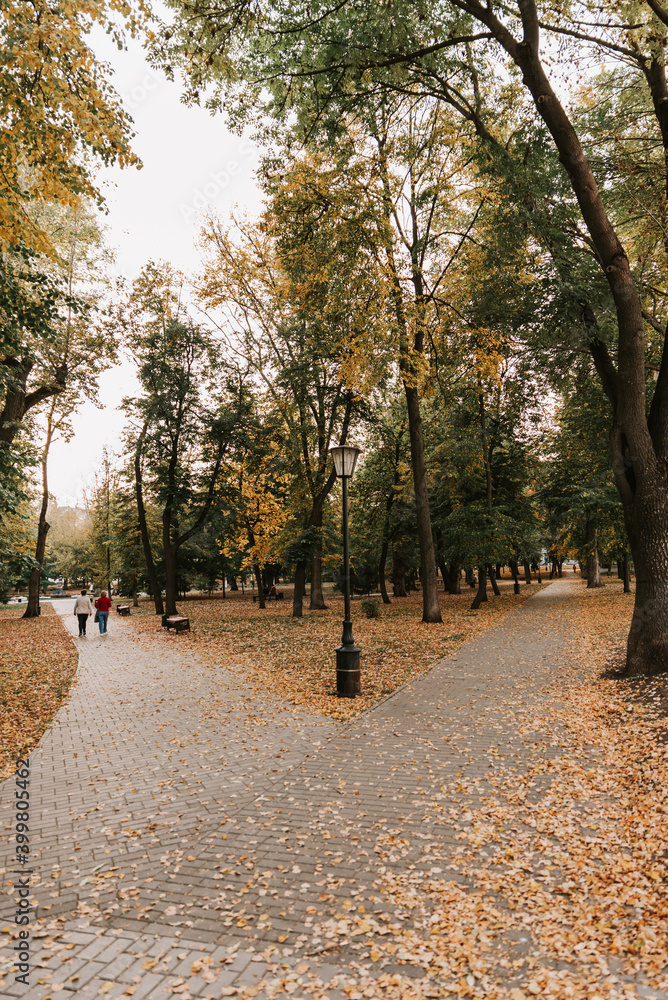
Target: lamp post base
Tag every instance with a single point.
(347, 671)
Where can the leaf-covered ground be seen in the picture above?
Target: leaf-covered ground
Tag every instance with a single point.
(294, 658)
(559, 888)
(556, 885)
(38, 662)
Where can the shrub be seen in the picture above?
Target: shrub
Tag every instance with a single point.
(370, 607)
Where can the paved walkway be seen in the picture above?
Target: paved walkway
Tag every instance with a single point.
(192, 838)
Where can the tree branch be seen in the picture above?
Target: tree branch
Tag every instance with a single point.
(658, 10)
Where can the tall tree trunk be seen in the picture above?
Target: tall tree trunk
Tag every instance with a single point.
(300, 588)
(233, 583)
(440, 561)
(492, 580)
(171, 568)
(381, 571)
(154, 586)
(317, 600)
(626, 574)
(482, 588)
(647, 648)
(514, 571)
(260, 587)
(527, 571)
(431, 609)
(593, 568)
(398, 573)
(454, 579)
(638, 440)
(388, 510)
(410, 376)
(33, 608)
(135, 596)
(487, 462)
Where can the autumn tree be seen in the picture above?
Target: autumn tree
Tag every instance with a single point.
(183, 417)
(59, 112)
(297, 291)
(578, 491)
(100, 503)
(68, 544)
(255, 497)
(354, 53)
(380, 489)
(53, 343)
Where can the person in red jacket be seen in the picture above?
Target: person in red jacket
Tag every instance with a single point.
(102, 605)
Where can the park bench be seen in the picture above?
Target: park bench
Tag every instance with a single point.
(177, 622)
(123, 609)
(271, 597)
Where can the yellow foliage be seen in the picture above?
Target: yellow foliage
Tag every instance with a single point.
(56, 107)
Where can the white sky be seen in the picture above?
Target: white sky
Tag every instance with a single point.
(192, 164)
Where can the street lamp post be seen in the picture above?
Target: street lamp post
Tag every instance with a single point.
(347, 654)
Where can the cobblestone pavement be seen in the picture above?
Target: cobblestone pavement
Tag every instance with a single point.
(190, 838)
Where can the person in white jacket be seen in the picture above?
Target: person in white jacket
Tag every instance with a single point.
(83, 609)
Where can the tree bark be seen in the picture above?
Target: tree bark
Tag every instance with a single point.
(527, 571)
(18, 400)
(482, 588)
(260, 588)
(647, 647)
(593, 568)
(300, 587)
(317, 600)
(626, 574)
(398, 573)
(431, 609)
(381, 572)
(454, 580)
(143, 528)
(171, 566)
(33, 609)
(638, 442)
(492, 580)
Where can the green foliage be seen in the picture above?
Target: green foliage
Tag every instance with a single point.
(370, 607)
(476, 535)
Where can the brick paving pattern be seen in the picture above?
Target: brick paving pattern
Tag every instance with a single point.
(191, 838)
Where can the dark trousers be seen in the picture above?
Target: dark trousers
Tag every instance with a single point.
(82, 624)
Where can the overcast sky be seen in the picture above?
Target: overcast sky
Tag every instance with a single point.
(191, 164)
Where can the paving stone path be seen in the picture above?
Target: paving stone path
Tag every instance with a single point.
(190, 836)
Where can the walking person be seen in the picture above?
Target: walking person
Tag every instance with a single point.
(103, 604)
(83, 609)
